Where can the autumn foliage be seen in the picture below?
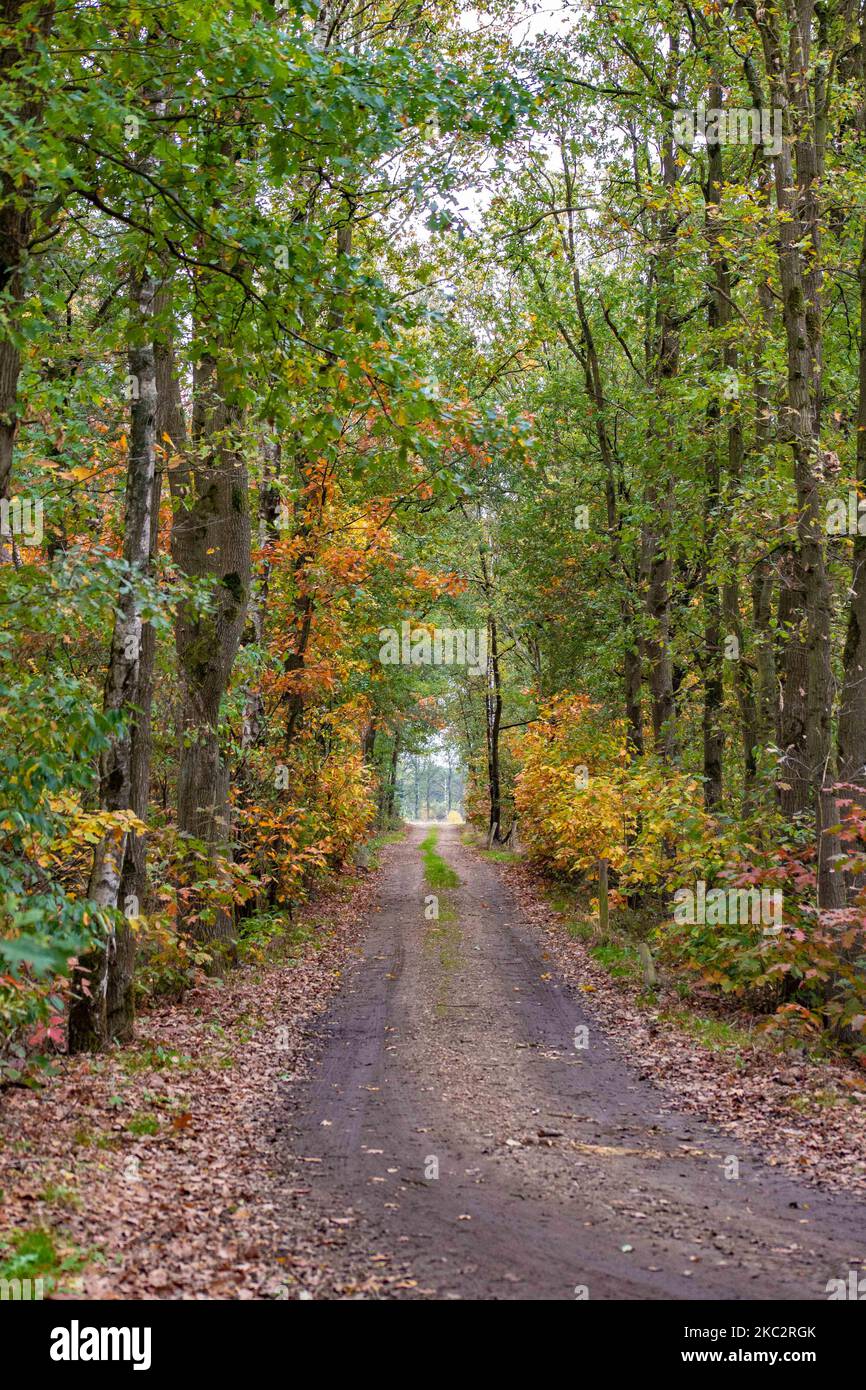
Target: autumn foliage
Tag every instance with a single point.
(580, 799)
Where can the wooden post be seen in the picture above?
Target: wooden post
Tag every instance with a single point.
(647, 964)
(602, 896)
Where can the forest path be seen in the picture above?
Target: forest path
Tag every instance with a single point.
(558, 1168)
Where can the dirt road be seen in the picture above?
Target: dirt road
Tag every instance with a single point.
(455, 1050)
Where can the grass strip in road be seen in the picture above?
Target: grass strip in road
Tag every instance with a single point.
(437, 873)
(444, 934)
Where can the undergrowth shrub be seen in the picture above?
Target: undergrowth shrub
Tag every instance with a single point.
(580, 798)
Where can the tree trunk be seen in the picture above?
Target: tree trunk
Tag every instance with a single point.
(586, 354)
(268, 516)
(133, 885)
(633, 682)
(787, 59)
(392, 778)
(713, 659)
(210, 539)
(656, 584)
(493, 692)
(88, 1019)
(794, 782)
(655, 560)
(767, 699)
(494, 720)
(19, 39)
(852, 714)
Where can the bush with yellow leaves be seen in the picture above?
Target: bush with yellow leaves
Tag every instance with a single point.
(315, 807)
(580, 799)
